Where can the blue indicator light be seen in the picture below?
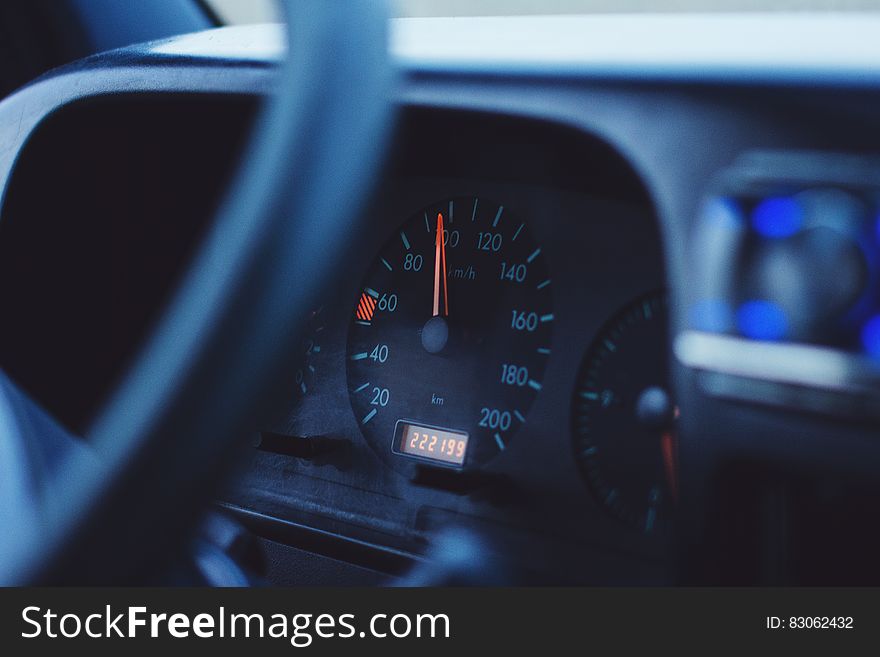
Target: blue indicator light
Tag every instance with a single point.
(871, 336)
(762, 320)
(712, 315)
(776, 218)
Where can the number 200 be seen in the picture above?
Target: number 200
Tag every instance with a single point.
(495, 419)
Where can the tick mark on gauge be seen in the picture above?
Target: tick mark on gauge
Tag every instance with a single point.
(610, 346)
(369, 416)
(498, 217)
(516, 234)
(362, 322)
(474, 213)
(302, 386)
(361, 356)
(363, 387)
(534, 255)
(541, 286)
(451, 217)
(534, 384)
(543, 351)
(519, 416)
(499, 442)
(427, 223)
(547, 318)
(592, 396)
(405, 241)
(387, 264)
(371, 292)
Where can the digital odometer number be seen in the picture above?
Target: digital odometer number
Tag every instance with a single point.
(452, 331)
(430, 443)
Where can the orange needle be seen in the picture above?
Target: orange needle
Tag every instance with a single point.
(440, 266)
(667, 447)
(443, 253)
(437, 240)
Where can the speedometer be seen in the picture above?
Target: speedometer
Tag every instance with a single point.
(450, 335)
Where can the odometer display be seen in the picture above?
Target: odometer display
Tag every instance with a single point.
(430, 443)
(451, 329)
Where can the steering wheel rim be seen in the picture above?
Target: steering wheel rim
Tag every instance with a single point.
(170, 431)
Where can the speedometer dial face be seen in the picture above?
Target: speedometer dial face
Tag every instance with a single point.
(450, 336)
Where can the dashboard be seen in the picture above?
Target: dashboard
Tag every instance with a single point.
(432, 398)
(510, 350)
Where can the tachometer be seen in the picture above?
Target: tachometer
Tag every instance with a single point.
(623, 416)
(450, 335)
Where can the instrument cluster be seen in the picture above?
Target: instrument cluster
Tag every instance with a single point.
(497, 355)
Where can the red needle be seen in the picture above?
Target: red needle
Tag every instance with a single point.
(667, 447)
(440, 269)
(443, 253)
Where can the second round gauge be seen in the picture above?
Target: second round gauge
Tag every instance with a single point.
(450, 335)
(623, 416)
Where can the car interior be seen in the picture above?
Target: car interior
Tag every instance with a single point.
(367, 298)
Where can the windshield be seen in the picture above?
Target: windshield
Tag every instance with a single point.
(261, 11)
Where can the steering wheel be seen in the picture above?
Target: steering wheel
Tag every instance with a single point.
(169, 433)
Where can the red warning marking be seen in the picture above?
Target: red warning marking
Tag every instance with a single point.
(366, 308)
